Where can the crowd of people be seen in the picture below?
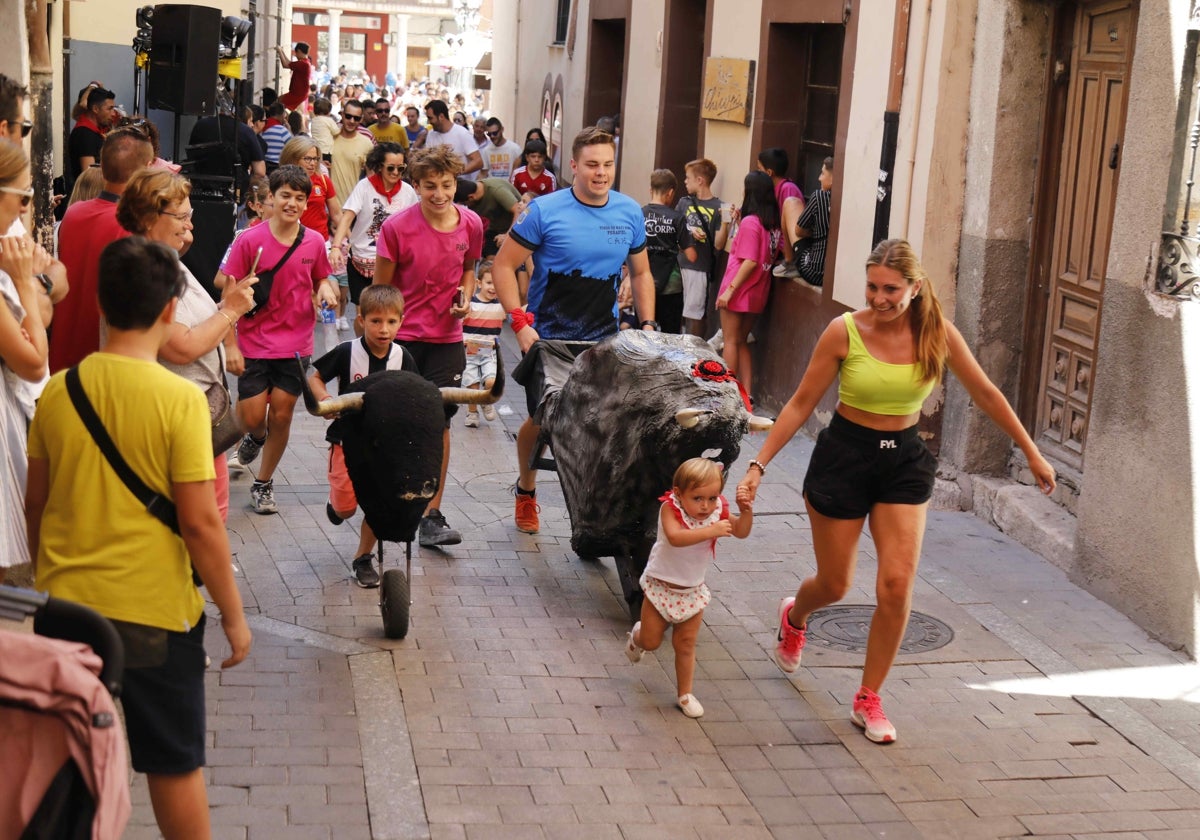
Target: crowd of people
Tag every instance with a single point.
(435, 233)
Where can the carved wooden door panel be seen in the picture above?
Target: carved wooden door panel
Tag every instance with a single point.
(1087, 183)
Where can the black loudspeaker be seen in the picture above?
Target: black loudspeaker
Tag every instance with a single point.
(214, 223)
(183, 59)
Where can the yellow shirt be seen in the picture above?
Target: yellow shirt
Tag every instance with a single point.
(99, 546)
(394, 133)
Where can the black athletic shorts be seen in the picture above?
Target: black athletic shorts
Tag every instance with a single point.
(854, 468)
(164, 707)
(358, 281)
(546, 366)
(265, 374)
(441, 364)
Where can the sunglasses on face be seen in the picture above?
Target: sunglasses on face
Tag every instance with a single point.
(352, 117)
(393, 167)
(495, 133)
(26, 127)
(26, 195)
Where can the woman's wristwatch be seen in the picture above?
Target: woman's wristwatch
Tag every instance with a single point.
(652, 324)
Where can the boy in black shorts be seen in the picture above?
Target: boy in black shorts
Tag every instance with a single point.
(428, 252)
(294, 260)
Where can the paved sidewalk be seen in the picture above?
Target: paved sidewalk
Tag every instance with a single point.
(510, 709)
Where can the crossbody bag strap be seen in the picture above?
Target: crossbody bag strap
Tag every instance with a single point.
(160, 507)
(288, 254)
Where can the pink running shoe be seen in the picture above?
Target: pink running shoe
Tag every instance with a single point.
(867, 712)
(791, 639)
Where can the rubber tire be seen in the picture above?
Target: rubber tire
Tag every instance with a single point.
(393, 604)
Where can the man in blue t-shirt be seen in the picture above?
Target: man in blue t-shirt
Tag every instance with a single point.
(579, 239)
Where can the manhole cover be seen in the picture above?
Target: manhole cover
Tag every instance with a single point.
(845, 628)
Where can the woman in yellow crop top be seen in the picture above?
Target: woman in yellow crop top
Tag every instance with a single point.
(869, 464)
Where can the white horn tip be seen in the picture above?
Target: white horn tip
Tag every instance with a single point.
(689, 417)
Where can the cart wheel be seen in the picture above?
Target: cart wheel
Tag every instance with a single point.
(393, 603)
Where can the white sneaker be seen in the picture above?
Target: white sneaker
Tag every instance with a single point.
(472, 421)
(489, 412)
(343, 324)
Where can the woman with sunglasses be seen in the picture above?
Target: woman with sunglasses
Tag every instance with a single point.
(202, 345)
(380, 195)
(23, 350)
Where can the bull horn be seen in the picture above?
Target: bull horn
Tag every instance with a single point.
(334, 405)
(473, 396)
(689, 417)
(760, 424)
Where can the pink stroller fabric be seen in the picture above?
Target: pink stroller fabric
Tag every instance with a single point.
(53, 708)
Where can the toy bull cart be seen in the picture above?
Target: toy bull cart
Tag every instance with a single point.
(619, 420)
(392, 424)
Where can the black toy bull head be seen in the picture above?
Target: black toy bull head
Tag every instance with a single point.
(634, 408)
(391, 425)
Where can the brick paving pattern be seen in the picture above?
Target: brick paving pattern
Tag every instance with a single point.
(513, 702)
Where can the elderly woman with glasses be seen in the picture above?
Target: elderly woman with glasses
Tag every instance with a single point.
(23, 351)
(381, 194)
(202, 344)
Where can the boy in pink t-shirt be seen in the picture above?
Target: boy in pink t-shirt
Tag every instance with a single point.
(428, 252)
(269, 340)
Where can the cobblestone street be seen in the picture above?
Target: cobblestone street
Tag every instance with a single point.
(510, 709)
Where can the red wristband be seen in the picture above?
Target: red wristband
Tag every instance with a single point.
(520, 319)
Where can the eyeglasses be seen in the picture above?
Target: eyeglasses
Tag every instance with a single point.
(26, 195)
(183, 217)
(310, 158)
(495, 133)
(352, 117)
(26, 127)
(392, 167)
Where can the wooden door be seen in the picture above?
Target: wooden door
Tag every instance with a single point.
(1090, 164)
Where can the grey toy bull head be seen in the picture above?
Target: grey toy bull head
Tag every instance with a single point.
(634, 408)
(391, 425)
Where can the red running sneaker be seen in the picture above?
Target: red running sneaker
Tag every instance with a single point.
(527, 513)
(867, 712)
(791, 639)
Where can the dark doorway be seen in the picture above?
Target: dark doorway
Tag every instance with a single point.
(800, 115)
(606, 70)
(682, 85)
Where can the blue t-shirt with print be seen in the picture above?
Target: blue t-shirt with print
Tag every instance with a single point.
(578, 253)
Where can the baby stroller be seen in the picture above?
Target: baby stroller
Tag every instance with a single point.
(66, 767)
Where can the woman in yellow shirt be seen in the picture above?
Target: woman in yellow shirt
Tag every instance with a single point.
(869, 464)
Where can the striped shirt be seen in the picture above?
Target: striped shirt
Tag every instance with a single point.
(276, 137)
(810, 252)
(484, 320)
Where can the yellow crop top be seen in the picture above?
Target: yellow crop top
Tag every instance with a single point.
(878, 387)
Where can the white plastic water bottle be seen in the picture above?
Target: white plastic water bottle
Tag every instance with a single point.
(329, 328)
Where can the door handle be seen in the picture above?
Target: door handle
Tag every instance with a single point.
(1113, 155)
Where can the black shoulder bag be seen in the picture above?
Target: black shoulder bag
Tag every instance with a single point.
(266, 277)
(145, 646)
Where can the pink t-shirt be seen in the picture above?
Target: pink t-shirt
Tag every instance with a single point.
(786, 189)
(284, 326)
(751, 242)
(429, 266)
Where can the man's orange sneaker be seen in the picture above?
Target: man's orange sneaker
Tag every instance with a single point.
(527, 513)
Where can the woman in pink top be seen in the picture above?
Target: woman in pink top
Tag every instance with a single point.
(747, 280)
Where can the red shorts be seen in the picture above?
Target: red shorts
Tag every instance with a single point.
(341, 491)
